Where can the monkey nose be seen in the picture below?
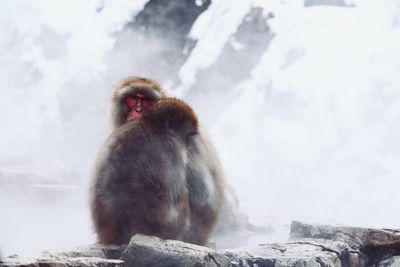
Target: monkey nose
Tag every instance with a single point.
(139, 108)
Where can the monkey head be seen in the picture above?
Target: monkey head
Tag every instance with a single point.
(172, 114)
(132, 97)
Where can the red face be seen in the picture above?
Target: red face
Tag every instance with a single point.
(137, 104)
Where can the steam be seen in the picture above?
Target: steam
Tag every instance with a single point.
(311, 134)
(55, 87)
(54, 76)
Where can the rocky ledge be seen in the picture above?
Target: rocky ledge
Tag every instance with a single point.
(308, 245)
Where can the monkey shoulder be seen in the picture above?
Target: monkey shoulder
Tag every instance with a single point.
(136, 143)
(124, 142)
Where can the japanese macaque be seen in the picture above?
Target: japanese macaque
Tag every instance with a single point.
(132, 97)
(157, 173)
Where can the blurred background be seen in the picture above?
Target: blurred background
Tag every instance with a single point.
(301, 98)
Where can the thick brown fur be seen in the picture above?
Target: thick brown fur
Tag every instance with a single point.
(157, 175)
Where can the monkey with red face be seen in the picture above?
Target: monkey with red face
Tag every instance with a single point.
(132, 97)
(157, 173)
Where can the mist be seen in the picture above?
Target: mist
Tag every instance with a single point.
(307, 125)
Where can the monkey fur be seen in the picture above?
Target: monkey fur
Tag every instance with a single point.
(156, 175)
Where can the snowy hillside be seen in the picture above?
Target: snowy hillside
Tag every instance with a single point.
(301, 98)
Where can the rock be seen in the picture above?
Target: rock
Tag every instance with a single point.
(310, 245)
(301, 253)
(372, 245)
(392, 261)
(170, 19)
(161, 28)
(153, 251)
(234, 64)
(90, 255)
(95, 250)
(15, 261)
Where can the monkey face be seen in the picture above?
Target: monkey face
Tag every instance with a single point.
(132, 97)
(137, 105)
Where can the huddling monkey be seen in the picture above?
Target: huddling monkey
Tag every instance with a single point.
(157, 173)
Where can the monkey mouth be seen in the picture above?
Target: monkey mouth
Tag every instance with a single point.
(135, 114)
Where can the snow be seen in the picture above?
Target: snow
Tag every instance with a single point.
(313, 133)
(212, 30)
(322, 144)
(52, 79)
(53, 53)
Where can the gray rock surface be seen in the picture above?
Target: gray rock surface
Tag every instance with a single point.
(310, 245)
(370, 246)
(152, 251)
(391, 261)
(15, 261)
(95, 250)
(302, 253)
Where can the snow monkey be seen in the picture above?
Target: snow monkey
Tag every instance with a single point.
(157, 173)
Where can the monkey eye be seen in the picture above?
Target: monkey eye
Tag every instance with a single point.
(134, 97)
(147, 103)
(137, 97)
(131, 102)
